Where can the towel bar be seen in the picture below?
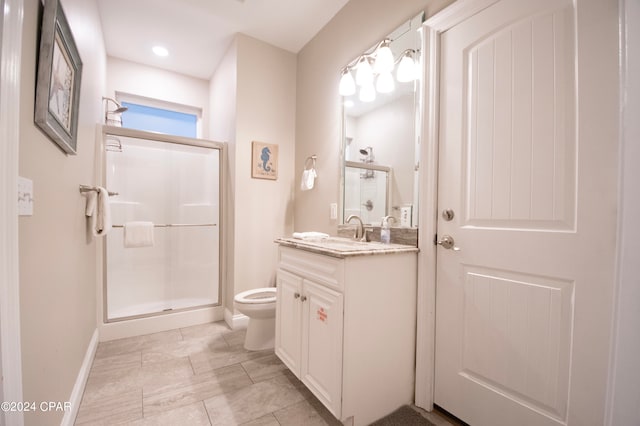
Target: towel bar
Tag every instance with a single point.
(173, 225)
(87, 188)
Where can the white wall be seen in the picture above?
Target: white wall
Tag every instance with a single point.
(624, 381)
(222, 95)
(355, 28)
(153, 83)
(258, 92)
(57, 260)
(266, 112)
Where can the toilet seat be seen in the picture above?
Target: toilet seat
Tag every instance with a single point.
(257, 295)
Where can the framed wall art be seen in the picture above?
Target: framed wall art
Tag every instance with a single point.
(264, 161)
(58, 82)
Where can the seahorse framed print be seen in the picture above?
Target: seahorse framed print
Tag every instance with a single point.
(264, 160)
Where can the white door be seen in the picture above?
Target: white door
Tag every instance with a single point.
(523, 294)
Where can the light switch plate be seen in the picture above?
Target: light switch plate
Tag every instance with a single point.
(25, 197)
(334, 211)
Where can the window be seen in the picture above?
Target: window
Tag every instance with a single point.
(142, 117)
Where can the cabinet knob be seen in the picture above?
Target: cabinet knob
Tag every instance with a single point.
(303, 298)
(296, 295)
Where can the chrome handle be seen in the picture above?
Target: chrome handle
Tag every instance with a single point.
(303, 298)
(296, 295)
(447, 242)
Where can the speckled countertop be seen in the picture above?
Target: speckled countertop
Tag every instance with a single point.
(345, 247)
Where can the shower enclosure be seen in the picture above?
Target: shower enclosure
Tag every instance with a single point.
(367, 191)
(175, 183)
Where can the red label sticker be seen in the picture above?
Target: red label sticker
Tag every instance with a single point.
(322, 315)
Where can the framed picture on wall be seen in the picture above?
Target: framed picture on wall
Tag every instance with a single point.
(264, 160)
(58, 82)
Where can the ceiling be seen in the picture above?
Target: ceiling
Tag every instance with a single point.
(197, 33)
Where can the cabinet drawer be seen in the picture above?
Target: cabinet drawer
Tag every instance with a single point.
(316, 267)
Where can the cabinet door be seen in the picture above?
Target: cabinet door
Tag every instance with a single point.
(322, 344)
(288, 316)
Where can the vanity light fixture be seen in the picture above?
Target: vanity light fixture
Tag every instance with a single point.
(384, 57)
(364, 72)
(384, 83)
(347, 83)
(407, 67)
(367, 93)
(377, 65)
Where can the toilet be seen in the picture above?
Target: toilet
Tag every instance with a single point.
(260, 306)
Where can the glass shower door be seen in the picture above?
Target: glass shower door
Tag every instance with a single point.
(177, 188)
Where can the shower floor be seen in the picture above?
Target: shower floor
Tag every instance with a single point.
(159, 307)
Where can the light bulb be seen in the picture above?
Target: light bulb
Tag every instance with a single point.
(364, 73)
(160, 51)
(406, 69)
(347, 84)
(384, 58)
(367, 93)
(385, 83)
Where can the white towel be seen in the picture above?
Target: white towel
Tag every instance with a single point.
(310, 235)
(138, 234)
(92, 202)
(100, 211)
(308, 178)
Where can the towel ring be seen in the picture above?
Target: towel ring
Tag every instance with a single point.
(313, 164)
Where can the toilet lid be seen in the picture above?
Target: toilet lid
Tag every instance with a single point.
(257, 295)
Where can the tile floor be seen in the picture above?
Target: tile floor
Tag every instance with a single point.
(193, 376)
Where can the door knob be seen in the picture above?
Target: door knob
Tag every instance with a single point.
(447, 242)
(296, 295)
(303, 298)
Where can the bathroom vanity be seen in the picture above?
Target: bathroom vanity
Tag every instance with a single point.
(345, 323)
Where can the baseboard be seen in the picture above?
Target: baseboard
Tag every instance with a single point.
(237, 321)
(78, 389)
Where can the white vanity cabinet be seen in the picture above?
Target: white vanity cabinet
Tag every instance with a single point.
(345, 326)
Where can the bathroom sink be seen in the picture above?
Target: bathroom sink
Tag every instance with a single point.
(340, 243)
(340, 246)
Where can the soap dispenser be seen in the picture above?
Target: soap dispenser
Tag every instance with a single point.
(385, 229)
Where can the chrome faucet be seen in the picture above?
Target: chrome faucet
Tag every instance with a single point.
(360, 234)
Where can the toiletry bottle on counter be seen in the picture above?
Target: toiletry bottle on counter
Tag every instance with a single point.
(385, 230)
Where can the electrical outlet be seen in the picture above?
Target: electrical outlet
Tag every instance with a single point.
(334, 210)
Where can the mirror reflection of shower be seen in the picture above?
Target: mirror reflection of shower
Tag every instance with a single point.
(113, 117)
(368, 159)
(368, 155)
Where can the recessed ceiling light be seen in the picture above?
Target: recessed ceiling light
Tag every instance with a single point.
(160, 51)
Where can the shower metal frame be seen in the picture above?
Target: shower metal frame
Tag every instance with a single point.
(106, 130)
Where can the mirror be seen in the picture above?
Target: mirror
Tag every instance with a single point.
(380, 143)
